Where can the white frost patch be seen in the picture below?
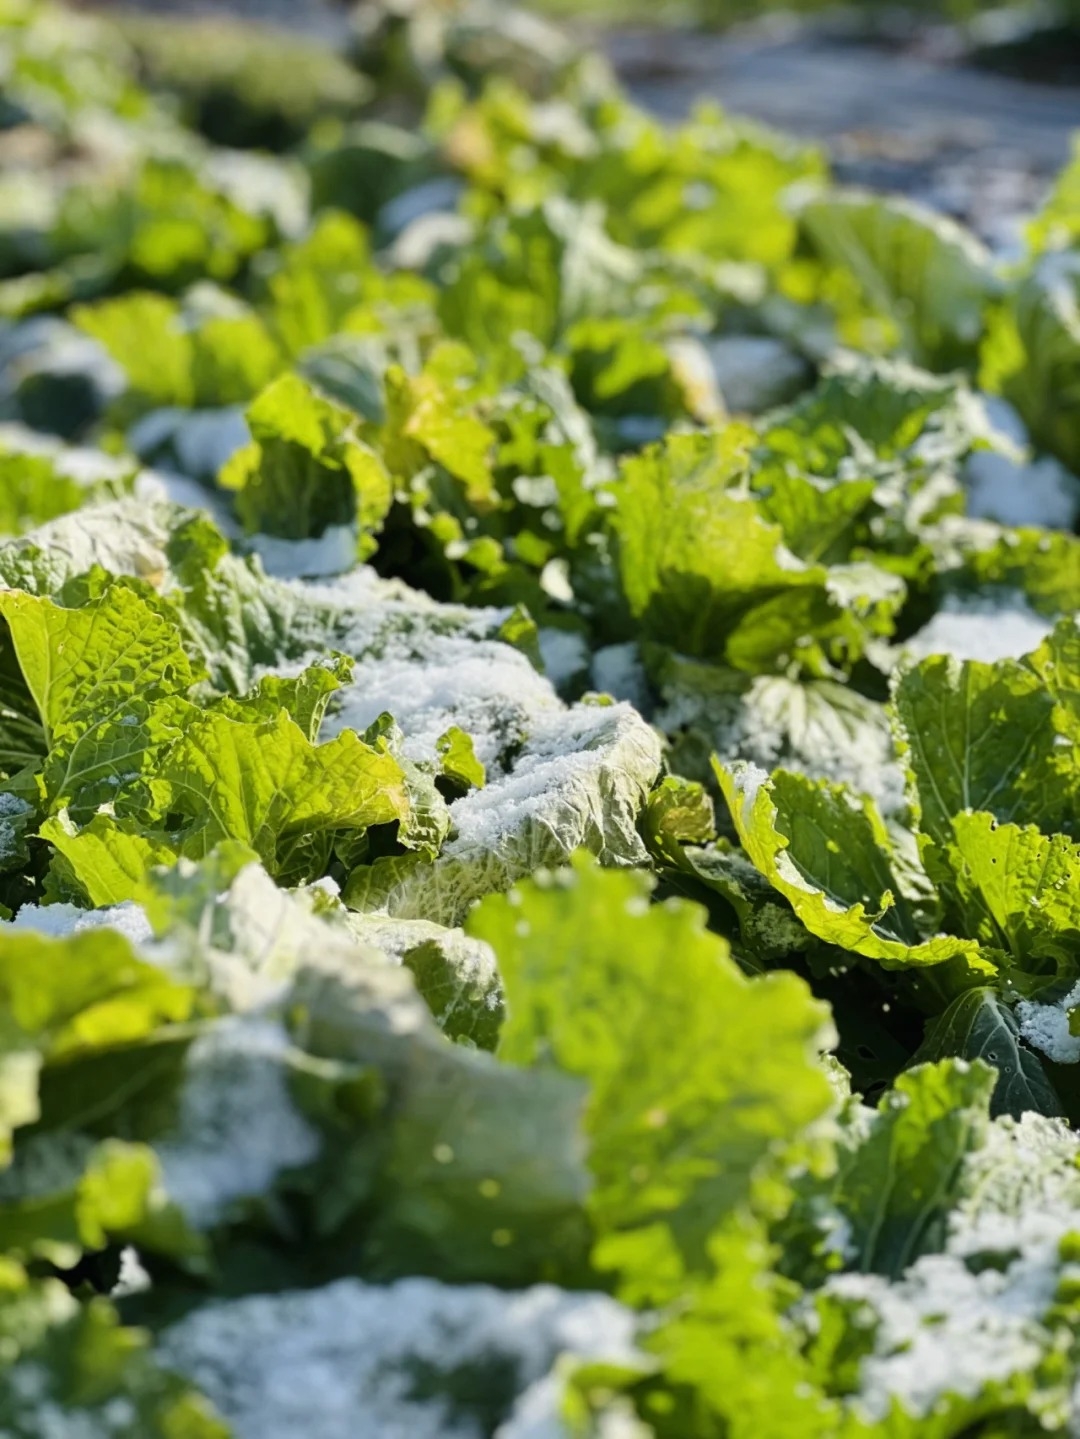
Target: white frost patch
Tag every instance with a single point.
(748, 782)
(437, 196)
(333, 553)
(60, 920)
(1046, 1027)
(13, 817)
(352, 1358)
(755, 372)
(133, 1277)
(978, 1313)
(430, 681)
(818, 728)
(473, 959)
(416, 246)
(565, 655)
(376, 616)
(555, 776)
(945, 1330)
(200, 441)
(1043, 494)
(617, 671)
(238, 1128)
(1026, 1169)
(981, 627)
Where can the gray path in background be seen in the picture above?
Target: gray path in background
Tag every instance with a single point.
(976, 145)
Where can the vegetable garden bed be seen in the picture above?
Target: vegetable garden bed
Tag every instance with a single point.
(540, 755)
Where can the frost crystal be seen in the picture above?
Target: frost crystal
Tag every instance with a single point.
(945, 1330)
(984, 628)
(565, 655)
(430, 682)
(1046, 1027)
(617, 671)
(313, 1362)
(238, 1128)
(58, 920)
(978, 1313)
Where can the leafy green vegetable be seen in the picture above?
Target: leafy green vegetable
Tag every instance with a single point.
(306, 468)
(929, 277)
(381, 980)
(829, 853)
(690, 1093)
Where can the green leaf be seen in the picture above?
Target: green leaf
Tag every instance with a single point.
(240, 619)
(106, 861)
(476, 1170)
(698, 1077)
(979, 1026)
(84, 663)
(982, 737)
(1057, 663)
(63, 1000)
(64, 1195)
(304, 697)
(20, 1069)
(88, 991)
(456, 975)
(1032, 353)
(306, 467)
(829, 853)
(919, 269)
(72, 1365)
(898, 1182)
(426, 423)
(876, 414)
(678, 812)
(458, 763)
(704, 571)
(1018, 890)
(173, 355)
(728, 1357)
(269, 787)
(1042, 565)
(98, 675)
(34, 488)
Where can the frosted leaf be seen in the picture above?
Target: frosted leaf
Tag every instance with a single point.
(430, 681)
(818, 728)
(238, 1128)
(617, 671)
(58, 920)
(1041, 495)
(332, 553)
(311, 1362)
(981, 1312)
(977, 627)
(565, 655)
(1046, 1027)
(943, 1329)
(579, 782)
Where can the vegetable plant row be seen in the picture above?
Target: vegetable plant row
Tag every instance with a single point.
(539, 760)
